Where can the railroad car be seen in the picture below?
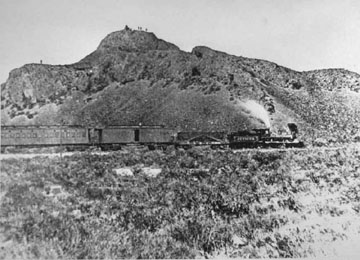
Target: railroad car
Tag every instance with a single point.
(32, 136)
(113, 137)
(189, 139)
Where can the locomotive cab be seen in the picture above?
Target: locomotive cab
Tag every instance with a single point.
(294, 130)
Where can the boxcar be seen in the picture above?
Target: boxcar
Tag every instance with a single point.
(117, 135)
(43, 135)
(122, 135)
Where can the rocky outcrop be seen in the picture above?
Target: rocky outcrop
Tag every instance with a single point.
(133, 40)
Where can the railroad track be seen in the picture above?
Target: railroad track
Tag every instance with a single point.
(355, 146)
(49, 155)
(263, 150)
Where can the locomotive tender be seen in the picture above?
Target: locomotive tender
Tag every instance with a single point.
(156, 136)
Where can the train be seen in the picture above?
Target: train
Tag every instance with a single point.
(153, 136)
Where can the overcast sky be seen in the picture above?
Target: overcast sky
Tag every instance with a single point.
(299, 34)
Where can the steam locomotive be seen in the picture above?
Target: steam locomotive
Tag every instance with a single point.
(156, 136)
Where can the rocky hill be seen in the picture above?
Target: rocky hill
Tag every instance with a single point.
(133, 77)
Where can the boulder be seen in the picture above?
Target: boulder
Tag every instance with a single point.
(320, 142)
(124, 171)
(151, 172)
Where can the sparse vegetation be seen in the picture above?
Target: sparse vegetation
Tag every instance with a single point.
(203, 203)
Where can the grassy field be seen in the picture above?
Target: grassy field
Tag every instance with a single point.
(204, 203)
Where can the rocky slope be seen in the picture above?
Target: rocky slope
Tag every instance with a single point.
(133, 77)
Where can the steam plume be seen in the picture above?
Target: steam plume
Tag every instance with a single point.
(257, 110)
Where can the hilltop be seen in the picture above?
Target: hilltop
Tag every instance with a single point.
(133, 77)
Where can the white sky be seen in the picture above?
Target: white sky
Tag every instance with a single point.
(299, 34)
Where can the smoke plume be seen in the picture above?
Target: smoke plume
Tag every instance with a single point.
(257, 110)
